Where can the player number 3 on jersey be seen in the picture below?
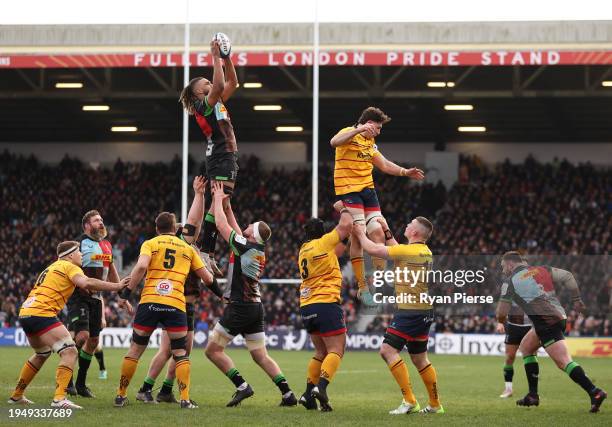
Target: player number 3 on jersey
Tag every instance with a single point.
(304, 269)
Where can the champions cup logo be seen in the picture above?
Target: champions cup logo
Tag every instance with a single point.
(28, 302)
(164, 287)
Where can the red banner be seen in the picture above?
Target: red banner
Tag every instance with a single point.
(326, 58)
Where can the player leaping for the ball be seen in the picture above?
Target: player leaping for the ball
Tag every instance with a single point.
(412, 320)
(533, 289)
(244, 312)
(206, 101)
(356, 156)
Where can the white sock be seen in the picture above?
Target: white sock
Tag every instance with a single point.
(508, 385)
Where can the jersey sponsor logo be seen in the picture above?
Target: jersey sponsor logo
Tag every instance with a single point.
(102, 257)
(364, 156)
(305, 293)
(28, 303)
(164, 287)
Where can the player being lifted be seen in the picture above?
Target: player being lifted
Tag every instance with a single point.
(411, 322)
(356, 156)
(189, 233)
(515, 328)
(166, 260)
(86, 310)
(206, 101)
(38, 318)
(320, 308)
(533, 289)
(244, 312)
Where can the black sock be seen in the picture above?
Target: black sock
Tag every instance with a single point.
(323, 382)
(532, 370)
(235, 377)
(84, 362)
(167, 386)
(282, 384)
(577, 374)
(209, 234)
(508, 373)
(309, 387)
(100, 358)
(70, 383)
(148, 384)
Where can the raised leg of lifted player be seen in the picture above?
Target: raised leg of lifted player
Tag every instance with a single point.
(209, 229)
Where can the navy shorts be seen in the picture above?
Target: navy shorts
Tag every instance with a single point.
(550, 334)
(365, 199)
(410, 330)
(38, 325)
(323, 319)
(149, 315)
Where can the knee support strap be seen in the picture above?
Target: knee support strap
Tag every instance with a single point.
(140, 339)
(63, 344)
(178, 343)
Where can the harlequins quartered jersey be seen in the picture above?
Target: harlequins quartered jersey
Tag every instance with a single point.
(217, 127)
(246, 265)
(97, 258)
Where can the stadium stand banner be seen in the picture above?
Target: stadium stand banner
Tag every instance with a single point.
(473, 344)
(326, 58)
(590, 347)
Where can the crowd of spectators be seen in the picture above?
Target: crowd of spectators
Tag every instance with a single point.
(542, 209)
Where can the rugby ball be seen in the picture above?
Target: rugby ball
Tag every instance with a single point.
(225, 46)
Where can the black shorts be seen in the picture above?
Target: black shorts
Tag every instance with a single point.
(243, 318)
(515, 333)
(150, 314)
(410, 330)
(323, 319)
(85, 315)
(190, 316)
(550, 334)
(222, 167)
(365, 199)
(35, 326)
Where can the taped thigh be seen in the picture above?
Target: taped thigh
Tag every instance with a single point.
(371, 222)
(62, 344)
(255, 341)
(220, 336)
(44, 351)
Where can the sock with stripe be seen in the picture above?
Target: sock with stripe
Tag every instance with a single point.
(314, 372)
(399, 370)
(235, 377)
(532, 370)
(209, 234)
(167, 386)
(100, 358)
(379, 264)
(328, 368)
(183, 376)
(359, 271)
(27, 374)
(62, 376)
(84, 363)
(148, 384)
(281, 383)
(577, 374)
(128, 367)
(430, 379)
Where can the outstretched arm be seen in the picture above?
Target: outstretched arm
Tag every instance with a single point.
(387, 166)
(231, 219)
(91, 284)
(196, 211)
(218, 84)
(373, 249)
(231, 83)
(220, 219)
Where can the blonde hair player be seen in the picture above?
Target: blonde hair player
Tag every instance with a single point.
(46, 334)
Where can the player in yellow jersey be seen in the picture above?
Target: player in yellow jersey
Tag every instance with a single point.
(412, 319)
(166, 260)
(320, 307)
(356, 156)
(38, 318)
